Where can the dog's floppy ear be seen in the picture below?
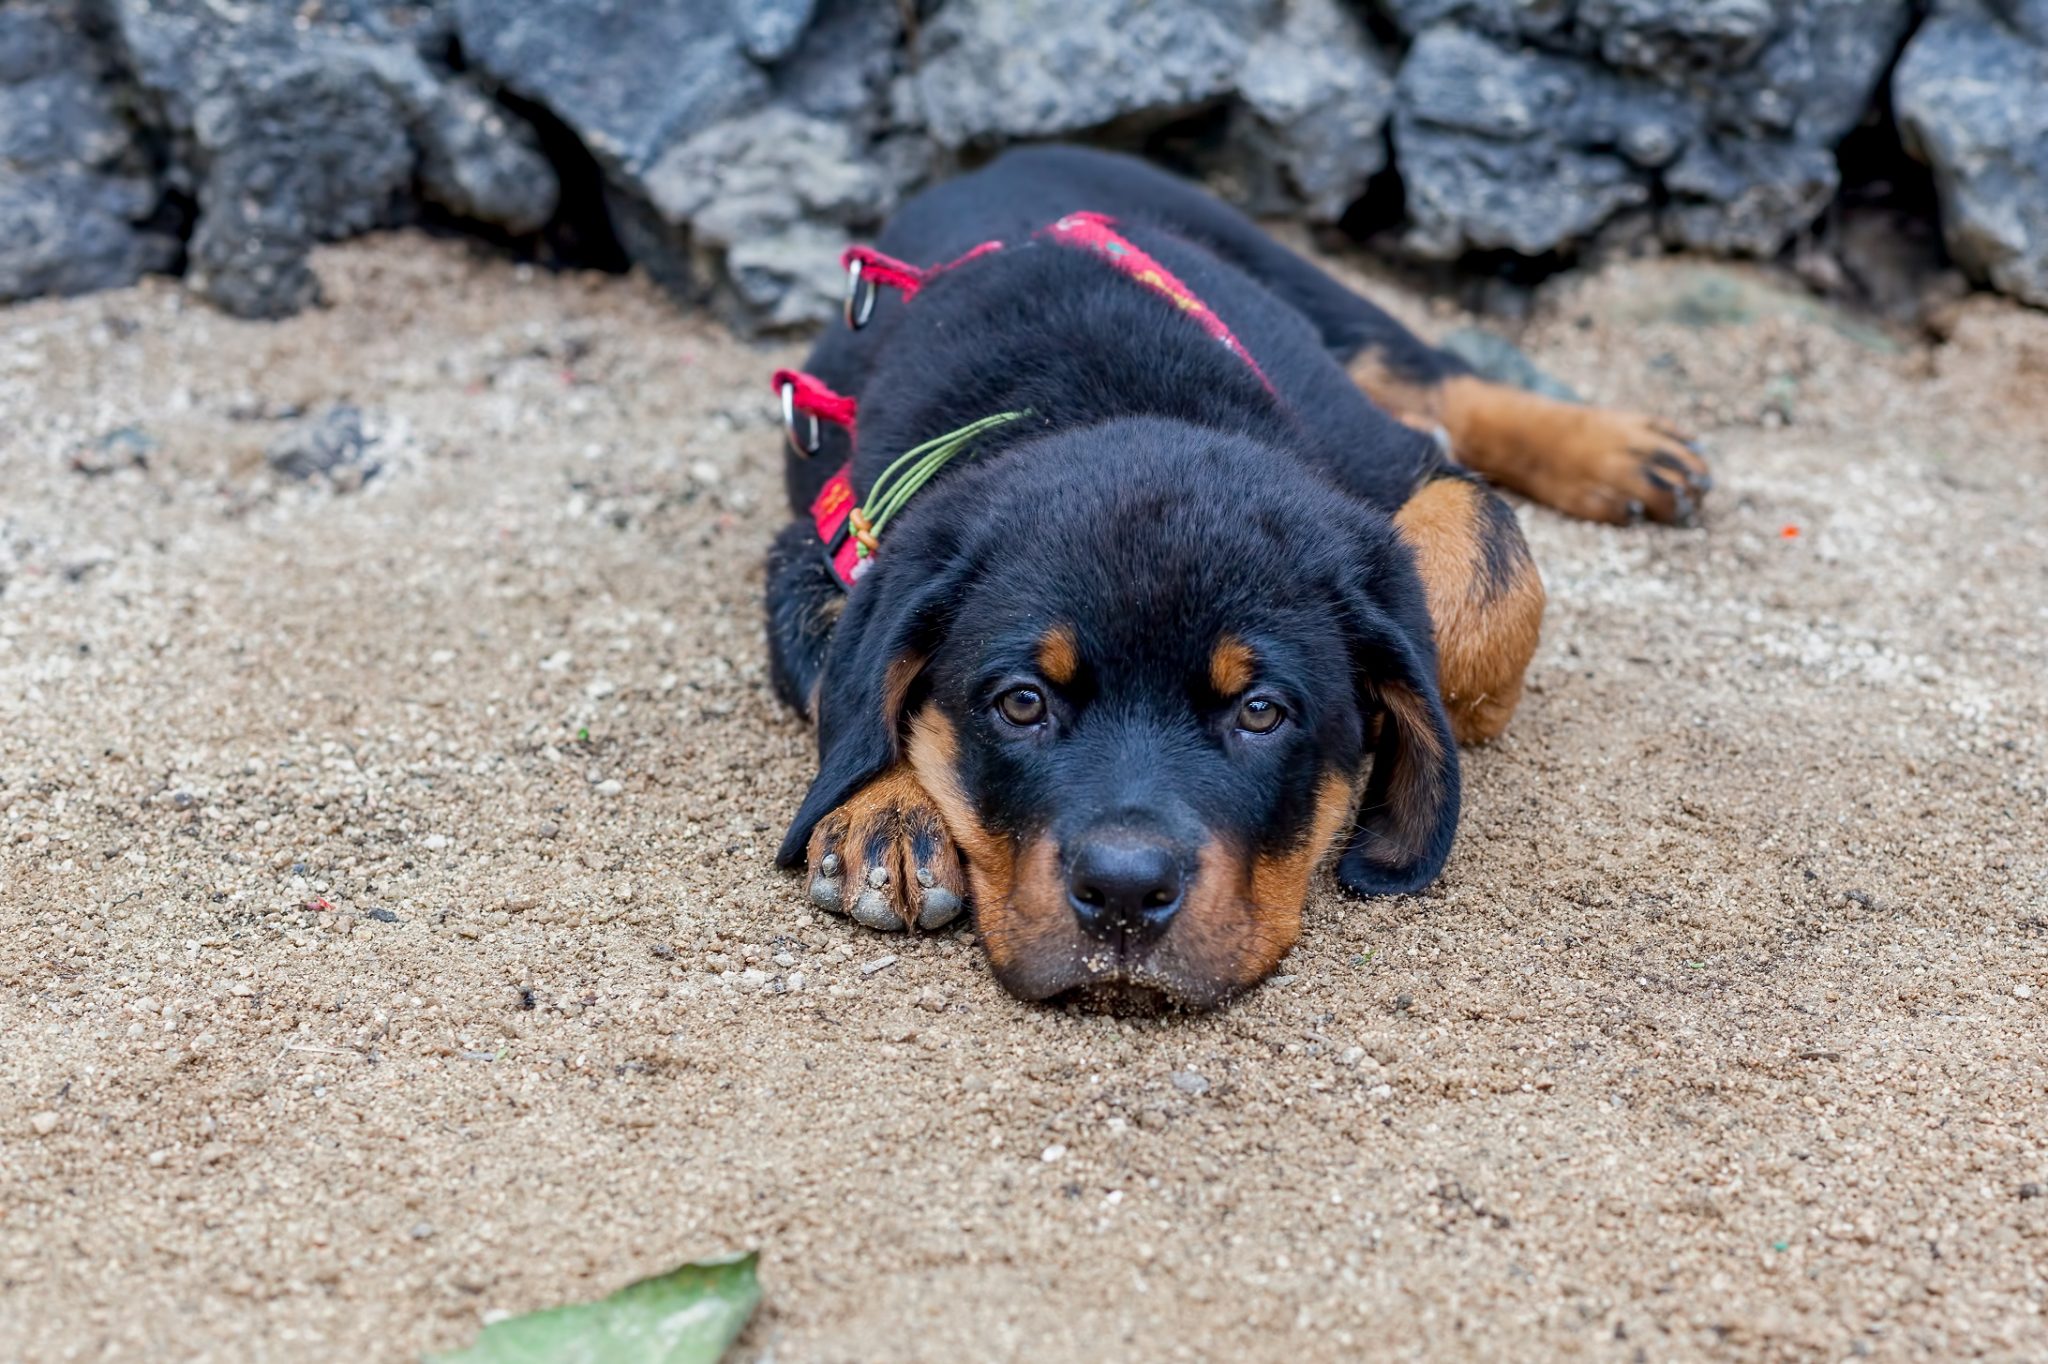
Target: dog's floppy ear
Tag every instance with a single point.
(1409, 813)
(894, 619)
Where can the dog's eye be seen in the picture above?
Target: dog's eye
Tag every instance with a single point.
(1259, 716)
(1022, 706)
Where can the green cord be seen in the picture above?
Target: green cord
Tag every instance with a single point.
(914, 468)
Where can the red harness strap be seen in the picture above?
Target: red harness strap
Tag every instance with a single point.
(876, 268)
(808, 394)
(1095, 233)
(831, 509)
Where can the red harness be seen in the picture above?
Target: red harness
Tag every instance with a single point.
(849, 545)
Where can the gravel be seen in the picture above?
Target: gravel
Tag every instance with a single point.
(1727, 730)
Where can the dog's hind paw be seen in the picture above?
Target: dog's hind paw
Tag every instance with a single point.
(1651, 470)
(1605, 464)
(883, 858)
(1599, 463)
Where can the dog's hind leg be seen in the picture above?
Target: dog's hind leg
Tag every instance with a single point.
(1602, 464)
(1598, 463)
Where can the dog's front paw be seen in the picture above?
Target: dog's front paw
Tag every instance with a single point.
(884, 858)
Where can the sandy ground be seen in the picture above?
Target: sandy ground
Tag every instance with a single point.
(1722, 1036)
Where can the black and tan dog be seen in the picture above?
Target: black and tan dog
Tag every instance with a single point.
(1198, 598)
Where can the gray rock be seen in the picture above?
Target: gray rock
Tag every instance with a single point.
(775, 193)
(35, 41)
(53, 109)
(323, 445)
(1516, 129)
(291, 133)
(786, 280)
(1516, 149)
(1312, 89)
(1817, 78)
(72, 186)
(770, 29)
(474, 159)
(2029, 18)
(71, 232)
(1972, 100)
(297, 150)
(1742, 197)
(662, 248)
(1316, 92)
(1663, 36)
(762, 173)
(993, 70)
(723, 179)
(629, 77)
(843, 67)
(1537, 19)
(743, 141)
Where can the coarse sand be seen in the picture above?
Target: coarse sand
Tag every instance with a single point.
(391, 941)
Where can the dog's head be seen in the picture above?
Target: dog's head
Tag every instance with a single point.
(1151, 675)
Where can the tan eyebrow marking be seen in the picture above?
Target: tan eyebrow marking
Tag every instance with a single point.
(1059, 655)
(1232, 665)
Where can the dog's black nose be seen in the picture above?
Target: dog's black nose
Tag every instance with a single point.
(1124, 886)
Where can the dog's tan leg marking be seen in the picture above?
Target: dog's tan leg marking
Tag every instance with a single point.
(1485, 600)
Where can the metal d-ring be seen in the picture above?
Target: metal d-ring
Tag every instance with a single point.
(789, 424)
(860, 298)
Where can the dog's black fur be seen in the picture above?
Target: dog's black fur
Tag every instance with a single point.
(1157, 500)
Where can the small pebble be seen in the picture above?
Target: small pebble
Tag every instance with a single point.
(1188, 1082)
(44, 1123)
(611, 786)
(1052, 1153)
(878, 964)
(2022, 992)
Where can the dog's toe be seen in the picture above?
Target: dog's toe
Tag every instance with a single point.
(1623, 468)
(884, 859)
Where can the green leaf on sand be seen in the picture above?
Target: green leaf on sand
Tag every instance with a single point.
(686, 1316)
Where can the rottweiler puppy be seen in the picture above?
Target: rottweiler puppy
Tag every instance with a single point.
(1217, 591)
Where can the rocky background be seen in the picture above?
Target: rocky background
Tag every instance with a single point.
(730, 147)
